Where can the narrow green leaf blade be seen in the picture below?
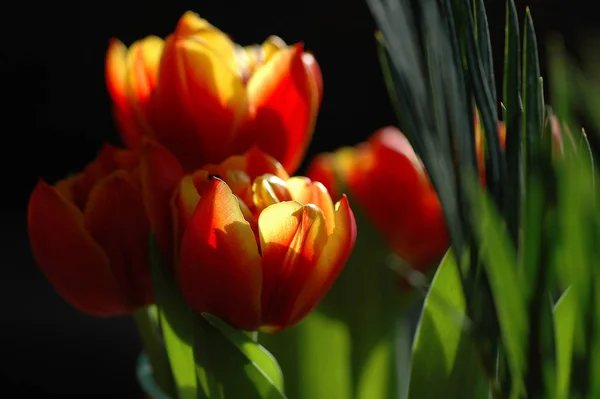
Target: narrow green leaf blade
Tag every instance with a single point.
(564, 321)
(444, 362)
(512, 119)
(499, 260)
(485, 47)
(175, 322)
(484, 100)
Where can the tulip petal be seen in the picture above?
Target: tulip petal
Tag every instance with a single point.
(116, 218)
(314, 70)
(292, 237)
(306, 191)
(72, 261)
(174, 125)
(190, 23)
(116, 72)
(143, 62)
(217, 97)
(330, 263)
(272, 46)
(219, 263)
(283, 100)
(160, 175)
(117, 83)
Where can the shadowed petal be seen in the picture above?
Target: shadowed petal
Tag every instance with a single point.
(116, 218)
(72, 261)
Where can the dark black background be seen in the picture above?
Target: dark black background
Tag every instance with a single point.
(55, 113)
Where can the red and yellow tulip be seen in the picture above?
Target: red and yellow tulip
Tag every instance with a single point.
(206, 98)
(389, 183)
(89, 235)
(250, 244)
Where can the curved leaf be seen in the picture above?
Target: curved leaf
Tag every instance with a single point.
(444, 362)
(229, 364)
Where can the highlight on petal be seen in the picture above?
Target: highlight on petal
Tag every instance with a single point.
(216, 95)
(272, 46)
(305, 191)
(268, 190)
(283, 101)
(73, 262)
(219, 262)
(115, 217)
(314, 70)
(143, 63)
(190, 23)
(292, 238)
(116, 72)
(160, 175)
(330, 262)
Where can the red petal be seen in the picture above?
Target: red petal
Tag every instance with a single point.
(284, 100)
(73, 262)
(220, 268)
(116, 218)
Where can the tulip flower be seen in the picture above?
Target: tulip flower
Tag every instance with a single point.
(206, 98)
(253, 246)
(389, 183)
(89, 235)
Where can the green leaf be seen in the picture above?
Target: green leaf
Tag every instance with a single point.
(176, 324)
(512, 119)
(445, 363)
(499, 260)
(485, 47)
(405, 62)
(496, 169)
(565, 313)
(532, 93)
(229, 364)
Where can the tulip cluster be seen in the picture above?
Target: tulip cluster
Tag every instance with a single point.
(206, 123)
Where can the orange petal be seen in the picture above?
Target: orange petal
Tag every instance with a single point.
(268, 190)
(143, 62)
(292, 237)
(221, 44)
(272, 46)
(321, 169)
(306, 192)
(217, 96)
(190, 23)
(116, 218)
(72, 261)
(220, 269)
(330, 263)
(161, 173)
(116, 72)
(314, 70)
(174, 124)
(284, 101)
(259, 163)
(117, 83)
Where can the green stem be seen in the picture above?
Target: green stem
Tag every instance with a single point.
(155, 349)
